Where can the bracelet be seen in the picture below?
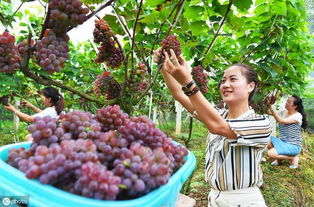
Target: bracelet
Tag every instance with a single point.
(186, 88)
(193, 91)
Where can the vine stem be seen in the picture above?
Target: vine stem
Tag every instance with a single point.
(218, 30)
(162, 24)
(176, 17)
(133, 37)
(149, 86)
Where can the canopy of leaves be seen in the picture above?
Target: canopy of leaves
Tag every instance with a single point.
(270, 35)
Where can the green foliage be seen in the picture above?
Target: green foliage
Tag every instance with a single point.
(269, 35)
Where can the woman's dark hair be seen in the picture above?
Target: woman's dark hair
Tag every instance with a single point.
(298, 103)
(251, 76)
(56, 98)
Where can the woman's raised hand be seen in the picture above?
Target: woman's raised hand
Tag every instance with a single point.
(179, 70)
(10, 107)
(26, 103)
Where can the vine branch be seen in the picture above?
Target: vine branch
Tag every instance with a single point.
(218, 30)
(161, 26)
(176, 17)
(133, 36)
(149, 86)
(44, 80)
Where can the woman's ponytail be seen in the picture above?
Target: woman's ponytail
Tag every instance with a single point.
(57, 99)
(300, 109)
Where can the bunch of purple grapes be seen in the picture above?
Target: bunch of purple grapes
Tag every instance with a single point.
(106, 85)
(137, 81)
(111, 117)
(66, 13)
(171, 42)
(118, 158)
(9, 55)
(108, 52)
(80, 125)
(97, 182)
(201, 78)
(52, 51)
(102, 31)
(58, 162)
(45, 131)
(141, 169)
(23, 45)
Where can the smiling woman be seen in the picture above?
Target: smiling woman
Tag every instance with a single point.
(238, 136)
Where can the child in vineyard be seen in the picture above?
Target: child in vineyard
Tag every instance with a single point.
(50, 97)
(289, 145)
(238, 136)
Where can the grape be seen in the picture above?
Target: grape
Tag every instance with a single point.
(201, 78)
(22, 46)
(111, 117)
(108, 52)
(95, 178)
(65, 14)
(9, 54)
(44, 130)
(78, 124)
(105, 156)
(106, 85)
(53, 59)
(171, 42)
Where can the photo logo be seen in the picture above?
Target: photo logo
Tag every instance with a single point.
(6, 201)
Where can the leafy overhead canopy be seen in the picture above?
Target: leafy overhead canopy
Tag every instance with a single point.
(270, 35)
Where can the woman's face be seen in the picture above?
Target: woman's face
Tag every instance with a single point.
(234, 87)
(290, 104)
(46, 101)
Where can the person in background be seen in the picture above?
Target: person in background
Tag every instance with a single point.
(238, 136)
(50, 97)
(291, 122)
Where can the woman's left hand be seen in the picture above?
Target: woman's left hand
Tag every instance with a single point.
(180, 71)
(10, 107)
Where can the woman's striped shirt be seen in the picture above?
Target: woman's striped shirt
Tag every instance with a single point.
(235, 164)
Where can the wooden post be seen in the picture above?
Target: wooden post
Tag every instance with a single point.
(155, 114)
(178, 117)
(16, 120)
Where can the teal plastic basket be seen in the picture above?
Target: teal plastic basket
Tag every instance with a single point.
(14, 183)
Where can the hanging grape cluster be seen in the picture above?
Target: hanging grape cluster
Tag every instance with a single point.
(9, 55)
(200, 76)
(65, 14)
(52, 51)
(23, 45)
(108, 51)
(171, 42)
(105, 156)
(107, 86)
(137, 82)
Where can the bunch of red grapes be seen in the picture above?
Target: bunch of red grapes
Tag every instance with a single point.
(52, 51)
(137, 82)
(106, 156)
(107, 86)
(171, 42)
(65, 14)
(200, 76)
(108, 51)
(9, 54)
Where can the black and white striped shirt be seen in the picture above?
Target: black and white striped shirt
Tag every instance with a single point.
(291, 133)
(235, 164)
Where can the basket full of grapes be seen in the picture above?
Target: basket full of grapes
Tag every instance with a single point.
(103, 159)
